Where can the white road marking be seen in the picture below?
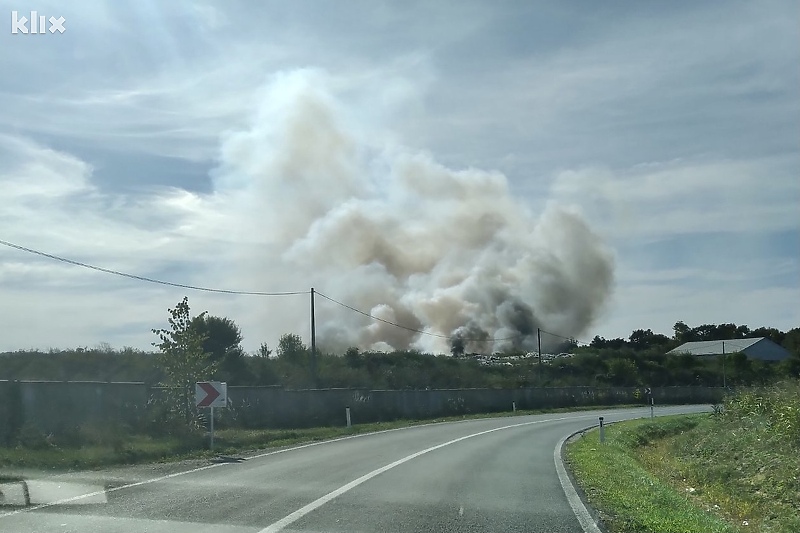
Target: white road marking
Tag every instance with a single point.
(585, 518)
(581, 512)
(206, 467)
(319, 502)
(199, 469)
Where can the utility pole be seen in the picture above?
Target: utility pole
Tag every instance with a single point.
(539, 340)
(313, 343)
(539, 343)
(724, 382)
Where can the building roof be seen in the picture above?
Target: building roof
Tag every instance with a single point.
(755, 348)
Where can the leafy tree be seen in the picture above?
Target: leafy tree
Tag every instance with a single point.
(352, 357)
(292, 349)
(223, 344)
(183, 361)
(791, 341)
(222, 335)
(725, 331)
(683, 333)
(705, 332)
(622, 372)
(642, 339)
(774, 334)
(567, 346)
(598, 342)
(262, 370)
(741, 368)
(616, 344)
(264, 351)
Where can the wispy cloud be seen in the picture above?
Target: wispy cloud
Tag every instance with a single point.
(672, 129)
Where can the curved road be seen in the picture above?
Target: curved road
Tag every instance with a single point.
(483, 475)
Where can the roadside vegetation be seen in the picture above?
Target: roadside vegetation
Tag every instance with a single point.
(735, 470)
(639, 361)
(206, 347)
(95, 447)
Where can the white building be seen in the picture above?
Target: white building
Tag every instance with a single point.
(755, 348)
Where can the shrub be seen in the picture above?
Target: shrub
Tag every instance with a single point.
(31, 437)
(777, 407)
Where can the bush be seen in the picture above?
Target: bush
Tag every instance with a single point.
(777, 407)
(33, 438)
(644, 434)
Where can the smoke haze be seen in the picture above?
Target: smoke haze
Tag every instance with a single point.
(396, 234)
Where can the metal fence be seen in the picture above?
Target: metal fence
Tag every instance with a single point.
(52, 406)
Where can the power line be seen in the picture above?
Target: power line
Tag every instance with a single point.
(422, 332)
(143, 278)
(565, 338)
(260, 293)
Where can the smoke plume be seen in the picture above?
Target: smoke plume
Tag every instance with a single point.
(400, 236)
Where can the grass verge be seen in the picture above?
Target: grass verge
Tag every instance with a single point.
(629, 498)
(141, 449)
(736, 470)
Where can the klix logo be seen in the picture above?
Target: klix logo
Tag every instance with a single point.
(36, 23)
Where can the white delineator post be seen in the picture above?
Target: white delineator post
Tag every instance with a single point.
(514, 406)
(347, 414)
(212, 428)
(602, 431)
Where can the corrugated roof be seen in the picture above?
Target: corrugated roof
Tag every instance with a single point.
(716, 347)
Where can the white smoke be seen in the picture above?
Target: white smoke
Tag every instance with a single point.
(395, 234)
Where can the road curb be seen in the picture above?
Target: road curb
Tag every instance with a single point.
(585, 517)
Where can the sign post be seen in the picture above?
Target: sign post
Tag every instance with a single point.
(211, 394)
(602, 431)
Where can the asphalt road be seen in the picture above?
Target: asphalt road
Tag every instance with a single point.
(489, 475)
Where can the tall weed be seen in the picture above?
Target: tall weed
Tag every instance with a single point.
(775, 408)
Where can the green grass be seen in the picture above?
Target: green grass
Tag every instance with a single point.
(629, 498)
(736, 470)
(100, 451)
(743, 463)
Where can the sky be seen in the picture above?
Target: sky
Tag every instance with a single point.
(636, 165)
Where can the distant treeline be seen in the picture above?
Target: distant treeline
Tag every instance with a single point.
(640, 360)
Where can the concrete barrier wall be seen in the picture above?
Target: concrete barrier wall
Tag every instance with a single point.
(52, 406)
(275, 407)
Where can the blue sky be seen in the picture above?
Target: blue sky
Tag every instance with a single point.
(672, 129)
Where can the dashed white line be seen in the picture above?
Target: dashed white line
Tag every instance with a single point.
(193, 470)
(300, 513)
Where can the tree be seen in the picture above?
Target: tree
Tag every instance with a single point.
(568, 345)
(598, 342)
(353, 357)
(292, 349)
(774, 334)
(223, 344)
(791, 341)
(683, 333)
(183, 361)
(264, 351)
(616, 344)
(642, 339)
(222, 335)
(622, 372)
(725, 331)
